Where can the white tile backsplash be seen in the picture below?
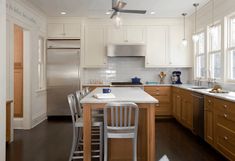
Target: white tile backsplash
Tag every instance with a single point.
(125, 68)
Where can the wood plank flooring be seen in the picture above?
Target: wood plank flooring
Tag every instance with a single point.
(51, 141)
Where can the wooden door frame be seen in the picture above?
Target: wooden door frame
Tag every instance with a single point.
(3, 79)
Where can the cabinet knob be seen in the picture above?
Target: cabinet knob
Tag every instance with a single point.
(225, 115)
(225, 138)
(209, 101)
(178, 96)
(226, 106)
(157, 105)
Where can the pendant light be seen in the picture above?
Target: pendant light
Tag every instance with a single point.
(195, 36)
(212, 27)
(184, 41)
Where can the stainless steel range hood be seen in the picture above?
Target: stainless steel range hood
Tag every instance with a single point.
(126, 50)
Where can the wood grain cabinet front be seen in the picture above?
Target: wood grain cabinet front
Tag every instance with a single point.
(224, 124)
(163, 94)
(209, 120)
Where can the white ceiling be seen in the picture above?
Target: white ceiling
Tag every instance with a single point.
(97, 8)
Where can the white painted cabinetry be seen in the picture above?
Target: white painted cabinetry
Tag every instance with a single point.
(94, 55)
(132, 34)
(64, 30)
(156, 46)
(179, 55)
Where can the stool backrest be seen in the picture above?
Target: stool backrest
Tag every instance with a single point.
(121, 116)
(79, 106)
(72, 106)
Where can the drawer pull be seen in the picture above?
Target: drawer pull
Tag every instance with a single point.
(225, 138)
(158, 93)
(225, 115)
(157, 105)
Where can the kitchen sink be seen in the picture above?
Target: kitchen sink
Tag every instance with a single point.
(199, 87)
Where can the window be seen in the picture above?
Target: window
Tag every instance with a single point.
(200, 57)
(231, 49)
(215, 58)
(41, 63)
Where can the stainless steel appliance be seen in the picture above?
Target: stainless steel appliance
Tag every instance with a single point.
(198, 114)
(126, 49)
(62, 75)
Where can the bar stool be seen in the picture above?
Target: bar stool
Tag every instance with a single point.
(77, 144)
(121, 124)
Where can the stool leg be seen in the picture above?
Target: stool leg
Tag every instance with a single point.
(105, 147)
(73, 144)
(134, 149)
(101, 143)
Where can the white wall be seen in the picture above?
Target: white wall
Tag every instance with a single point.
(2, 80)
(34, 24)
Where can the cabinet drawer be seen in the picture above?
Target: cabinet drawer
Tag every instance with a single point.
(163, 109)
(225, 119)
(209, 103)
(225, 142)
(163, 99)
(158, 91)
(225, 106)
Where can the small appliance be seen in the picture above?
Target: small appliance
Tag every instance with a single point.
(176, 77)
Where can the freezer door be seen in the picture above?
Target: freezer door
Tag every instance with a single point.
(62, 79)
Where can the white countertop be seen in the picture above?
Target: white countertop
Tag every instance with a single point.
(225, 96)
(123, 94)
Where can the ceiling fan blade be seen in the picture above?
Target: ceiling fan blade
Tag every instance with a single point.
(114, 14)
(117, 4)
(133, 11)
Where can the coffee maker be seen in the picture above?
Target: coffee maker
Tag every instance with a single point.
(176, 77)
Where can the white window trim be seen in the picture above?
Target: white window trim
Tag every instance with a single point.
(42, 83)
(228, 49)
(209, 53)
(197, 54)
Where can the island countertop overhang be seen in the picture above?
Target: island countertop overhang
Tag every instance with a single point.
(122, 94)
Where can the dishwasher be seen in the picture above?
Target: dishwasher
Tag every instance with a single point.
(198, 114)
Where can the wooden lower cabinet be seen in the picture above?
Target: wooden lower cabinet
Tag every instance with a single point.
(163, 94)
(209, 120)
(224, 127)
(183, 107)
(8, 121)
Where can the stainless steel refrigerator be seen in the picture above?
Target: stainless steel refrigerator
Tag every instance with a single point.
(63, 76)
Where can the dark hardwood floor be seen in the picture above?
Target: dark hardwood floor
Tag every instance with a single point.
(51, 141)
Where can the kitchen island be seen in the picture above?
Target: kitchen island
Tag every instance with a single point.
(121, 149)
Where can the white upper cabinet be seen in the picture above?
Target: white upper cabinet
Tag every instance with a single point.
(132, 34)
(94, 55)
(61, 30)
(179, 55)
(156, 46)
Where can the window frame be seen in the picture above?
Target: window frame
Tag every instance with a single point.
(197, 54)
(41, 64)
(229, 49)
(210, 53)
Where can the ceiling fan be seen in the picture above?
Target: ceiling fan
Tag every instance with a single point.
(118, 5)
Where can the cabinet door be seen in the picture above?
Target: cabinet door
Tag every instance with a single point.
(179, 55)
(135, 34)
(72, 30)
(115, 35)
(208, 121)
(55, 30)
(94, 53)
(187, 112)
(156, 40)
(178, 107)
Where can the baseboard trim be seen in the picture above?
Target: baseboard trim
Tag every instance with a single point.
(39, 119)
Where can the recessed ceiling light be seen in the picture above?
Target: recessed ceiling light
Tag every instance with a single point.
(63, 13)
(152, 13)
(108, 12)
